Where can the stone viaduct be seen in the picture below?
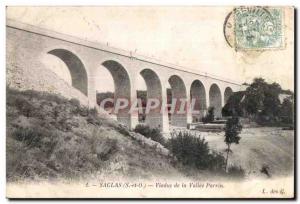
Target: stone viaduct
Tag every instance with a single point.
(83, 58)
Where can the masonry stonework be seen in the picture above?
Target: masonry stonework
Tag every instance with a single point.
(27, 45)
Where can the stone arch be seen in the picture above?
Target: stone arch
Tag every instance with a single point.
(215, 99)
(198, 94)
(122, 90)
(154, 91)
(77, 70)
(227, 93)
(179, 101)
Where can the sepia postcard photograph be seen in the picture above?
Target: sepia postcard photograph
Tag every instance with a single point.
(150, 102)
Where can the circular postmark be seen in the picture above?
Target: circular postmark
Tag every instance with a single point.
(253, 28)
(228, 29)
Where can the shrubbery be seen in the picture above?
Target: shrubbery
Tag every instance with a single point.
(36, 138)
(25, 107)
(92, 117)
(210, 116)
(74, 102)
(104, 148)
(194, 152)
(36, 152)
(57, 111)
(152, 133)
(236, 172)
(232, 129)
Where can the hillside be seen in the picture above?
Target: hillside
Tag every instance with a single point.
(271, 147)
(50, 137)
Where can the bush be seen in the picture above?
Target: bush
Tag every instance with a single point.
(93, 112)
(194, 152)
(265, 169)
(25, 101)
(216, 161)
(36, 137)
(210, 115)
(236, 172)
(30, 137)
(25, 107)
(91, 119)
(122, 129)
(152, 133)
(84, 111)
(104, 148)
(31, 94)
(74, 102)
(54, 97)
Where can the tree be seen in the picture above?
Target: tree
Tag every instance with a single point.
(210, 115)
(105, 95)
(271, 102)
(169, 96)
(232, 130)
(234, 107)
(254, 96)
(289, 92)
(287, 111)
(143, 96)
(262, 101)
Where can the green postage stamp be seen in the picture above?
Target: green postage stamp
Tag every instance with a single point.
(258, 28)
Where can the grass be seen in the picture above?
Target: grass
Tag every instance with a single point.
(50, 137)
(259, 147)
(152, 133)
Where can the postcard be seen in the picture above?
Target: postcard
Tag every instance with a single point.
(142, 102)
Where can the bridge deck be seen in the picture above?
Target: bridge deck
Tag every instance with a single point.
(105, 48)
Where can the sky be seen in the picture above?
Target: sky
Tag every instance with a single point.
(191, 37)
